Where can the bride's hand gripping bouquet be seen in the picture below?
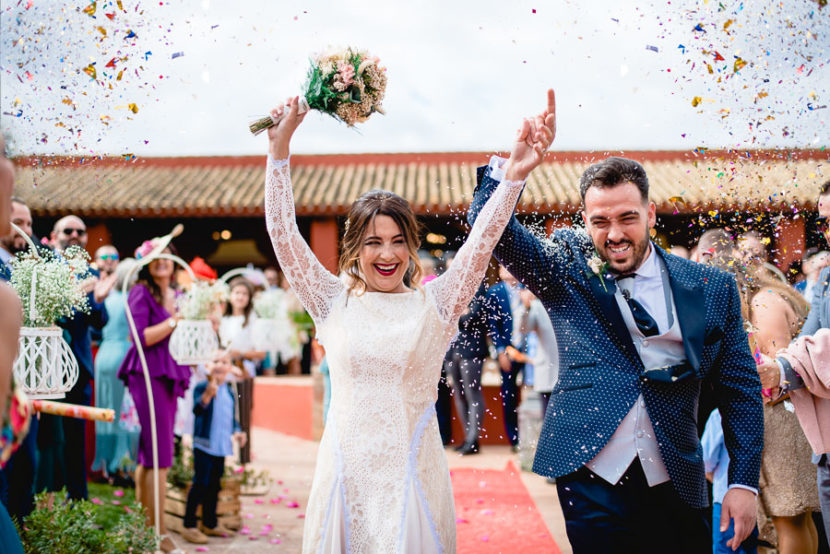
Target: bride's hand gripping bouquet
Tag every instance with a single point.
(348, 85)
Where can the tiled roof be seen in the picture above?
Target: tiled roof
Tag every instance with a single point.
(435, 183)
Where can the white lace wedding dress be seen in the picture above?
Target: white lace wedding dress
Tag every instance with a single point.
(381, 484)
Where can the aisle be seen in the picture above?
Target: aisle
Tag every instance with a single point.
(515, 505)
(495, 513)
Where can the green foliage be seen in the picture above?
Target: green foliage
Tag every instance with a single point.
(81, 527)
(180, 474)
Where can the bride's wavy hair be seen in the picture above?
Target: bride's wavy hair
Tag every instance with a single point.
(361, 214)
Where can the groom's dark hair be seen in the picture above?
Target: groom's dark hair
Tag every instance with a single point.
(612, 172)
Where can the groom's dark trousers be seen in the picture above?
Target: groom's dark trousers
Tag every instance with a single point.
(630, 517)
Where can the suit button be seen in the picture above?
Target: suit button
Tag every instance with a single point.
(640, 434)
(645, 343)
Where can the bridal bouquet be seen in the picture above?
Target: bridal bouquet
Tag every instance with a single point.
(348, 85)
(50, 285)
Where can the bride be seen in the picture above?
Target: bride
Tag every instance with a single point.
(381, 483)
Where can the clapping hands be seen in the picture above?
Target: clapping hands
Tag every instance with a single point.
(534, 137)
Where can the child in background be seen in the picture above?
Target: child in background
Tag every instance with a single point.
(716, 462)
(214, 427)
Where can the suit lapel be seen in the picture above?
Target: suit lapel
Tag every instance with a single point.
(691, 311)
(613, 318)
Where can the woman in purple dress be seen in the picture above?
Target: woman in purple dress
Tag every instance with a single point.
(152, 301)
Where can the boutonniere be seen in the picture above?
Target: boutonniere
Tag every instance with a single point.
(599, 268)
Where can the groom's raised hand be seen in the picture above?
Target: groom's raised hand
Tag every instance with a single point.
(533, 139)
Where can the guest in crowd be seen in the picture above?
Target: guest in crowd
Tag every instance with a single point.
(788, 494)
(106, 260)
(152, 302)
(272, 276)
(113, 443)
(235, 335)
(505, 307)
(62, 440)
(215, 426)
(680, 251)
(813, 262)
(546, 360)
(463, 363)
(752, 249)
(12, 242)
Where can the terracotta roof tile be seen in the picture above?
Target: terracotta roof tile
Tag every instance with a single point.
(438, 183)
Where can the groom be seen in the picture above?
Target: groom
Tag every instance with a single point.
(638, 331)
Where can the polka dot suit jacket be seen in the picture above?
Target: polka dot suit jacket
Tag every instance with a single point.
(601, 375)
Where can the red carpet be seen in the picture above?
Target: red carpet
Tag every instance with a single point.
(495, 513)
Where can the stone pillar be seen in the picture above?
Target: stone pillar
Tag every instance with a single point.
(790, 242)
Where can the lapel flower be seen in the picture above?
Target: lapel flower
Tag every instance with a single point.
(599, 268)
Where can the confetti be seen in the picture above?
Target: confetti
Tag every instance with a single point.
(696, 101)
(652, 48)
(90, 10)
(90, 70)
(177, 55)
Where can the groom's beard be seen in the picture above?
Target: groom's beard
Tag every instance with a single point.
(639, 252)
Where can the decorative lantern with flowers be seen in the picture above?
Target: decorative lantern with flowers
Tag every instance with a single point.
(49, 286)
(194, 339)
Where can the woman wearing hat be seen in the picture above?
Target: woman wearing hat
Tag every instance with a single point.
(152, 302)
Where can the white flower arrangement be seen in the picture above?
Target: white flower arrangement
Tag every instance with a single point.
(50, 285)
(198, 301)
(269, 304)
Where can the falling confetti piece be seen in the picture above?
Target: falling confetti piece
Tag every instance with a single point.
(276, 500)
(111, 63)
(133, 107)
(739, 64)
(275, 541)
(128, 157)
(131, 34)
(696, 101)
(652, 48)
(292, 505)
(177, 55)
(699, 28)
(102, 30)
(90, 10)
(120, 74)
(718, 57)
(90, 70)
(728, 23)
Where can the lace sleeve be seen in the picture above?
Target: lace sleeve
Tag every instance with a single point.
(454, 289)
(315, 286)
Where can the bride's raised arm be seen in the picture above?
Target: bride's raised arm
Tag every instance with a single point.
(315, 286)
(455, 288)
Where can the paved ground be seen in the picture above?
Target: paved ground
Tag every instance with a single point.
(275, 526)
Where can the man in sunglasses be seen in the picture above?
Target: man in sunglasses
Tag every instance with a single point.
(62, 440)
(106, 260)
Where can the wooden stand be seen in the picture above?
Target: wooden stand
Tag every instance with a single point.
(227, 507)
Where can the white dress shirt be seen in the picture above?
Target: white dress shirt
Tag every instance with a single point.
(635, 434)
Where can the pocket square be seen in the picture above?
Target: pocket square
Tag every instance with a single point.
(713, 336)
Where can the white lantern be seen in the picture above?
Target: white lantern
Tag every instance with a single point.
(266, 334)
(45, 366)
(193, 341)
